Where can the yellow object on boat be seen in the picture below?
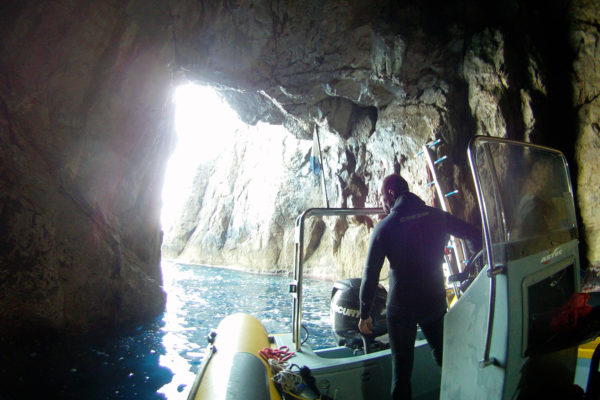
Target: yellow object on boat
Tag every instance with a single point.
(234, 369)
(587, 350)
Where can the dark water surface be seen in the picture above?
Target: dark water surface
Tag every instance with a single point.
(160, 360)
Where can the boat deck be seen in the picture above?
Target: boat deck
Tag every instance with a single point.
(342, 374)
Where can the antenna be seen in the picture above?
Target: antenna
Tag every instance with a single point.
(323, 186)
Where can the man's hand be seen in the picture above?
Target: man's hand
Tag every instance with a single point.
(365, 326)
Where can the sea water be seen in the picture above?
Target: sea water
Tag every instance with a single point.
(159, 360)
(200, 297)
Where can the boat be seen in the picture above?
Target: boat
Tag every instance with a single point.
(517, 326)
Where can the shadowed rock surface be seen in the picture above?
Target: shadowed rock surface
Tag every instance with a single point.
(86, 130)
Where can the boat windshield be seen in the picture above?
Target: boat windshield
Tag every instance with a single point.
(526, 195)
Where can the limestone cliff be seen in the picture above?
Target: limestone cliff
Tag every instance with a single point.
(85, 128)
(237, 211)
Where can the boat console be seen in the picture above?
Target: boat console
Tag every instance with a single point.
(514, 333)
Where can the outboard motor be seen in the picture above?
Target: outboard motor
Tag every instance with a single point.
(345, 313)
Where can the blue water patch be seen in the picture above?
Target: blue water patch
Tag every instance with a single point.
(123, 367)
(159, 360)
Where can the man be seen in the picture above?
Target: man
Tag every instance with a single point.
(413, 237)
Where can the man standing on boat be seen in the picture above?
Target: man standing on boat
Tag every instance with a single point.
(412, 236)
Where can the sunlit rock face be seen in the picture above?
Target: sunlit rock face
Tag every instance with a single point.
(236, 214)
(85, 117)
(244, 203)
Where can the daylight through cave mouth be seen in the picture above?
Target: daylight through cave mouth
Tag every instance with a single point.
(225, 179)
(204, 125)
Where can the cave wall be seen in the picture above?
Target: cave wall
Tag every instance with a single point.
(86, 127)
(85, 133)
(586, 104)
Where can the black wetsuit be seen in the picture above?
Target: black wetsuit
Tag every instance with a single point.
(413, 238)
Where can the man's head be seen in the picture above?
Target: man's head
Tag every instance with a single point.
(393, 186)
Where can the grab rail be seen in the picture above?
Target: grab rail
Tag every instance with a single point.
(485, 361)
(296, 286)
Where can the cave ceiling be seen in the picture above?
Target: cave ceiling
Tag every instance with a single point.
(335, 62)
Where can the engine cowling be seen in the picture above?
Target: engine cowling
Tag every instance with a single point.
(344, 313)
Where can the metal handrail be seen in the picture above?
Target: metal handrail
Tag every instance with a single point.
(296, 286)
(485, 361)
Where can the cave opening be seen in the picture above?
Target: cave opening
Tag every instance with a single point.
(204, 125)
(231, 188)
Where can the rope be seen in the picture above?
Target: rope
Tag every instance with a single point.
(284, 376)
(280, 355)
(288, 380)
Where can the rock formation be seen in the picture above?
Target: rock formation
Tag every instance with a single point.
(85, 117)
(85, 133)
(586, 105)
